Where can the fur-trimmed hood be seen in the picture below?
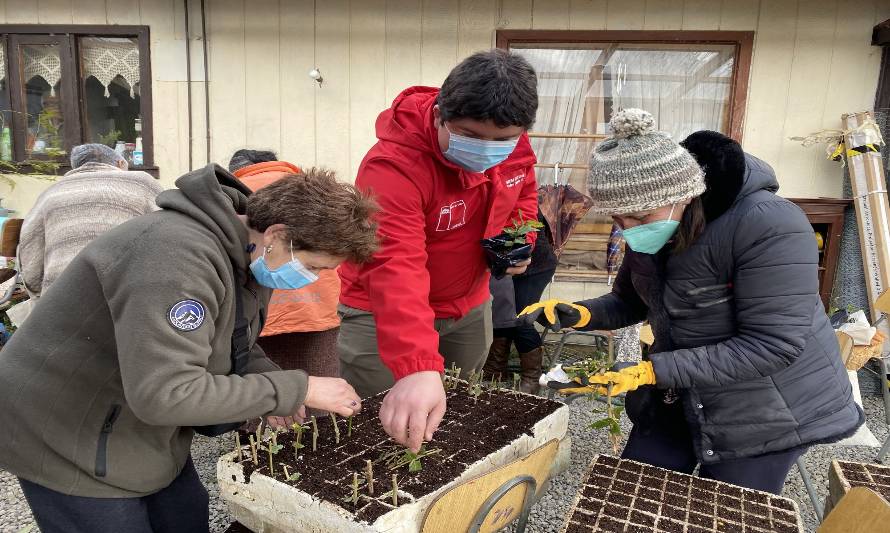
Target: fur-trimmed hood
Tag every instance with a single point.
(730, 173)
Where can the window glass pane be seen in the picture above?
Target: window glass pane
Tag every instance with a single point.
(686, 87)
(110, 72)
(42, 70)
(5, 111)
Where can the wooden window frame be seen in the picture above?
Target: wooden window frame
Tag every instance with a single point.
(68, 36)
(741, 69)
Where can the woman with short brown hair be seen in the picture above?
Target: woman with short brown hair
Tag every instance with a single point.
(149, 335)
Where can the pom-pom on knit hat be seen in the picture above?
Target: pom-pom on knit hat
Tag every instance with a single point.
(638, 168)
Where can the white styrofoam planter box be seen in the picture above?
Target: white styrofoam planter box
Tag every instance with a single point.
(269, 506)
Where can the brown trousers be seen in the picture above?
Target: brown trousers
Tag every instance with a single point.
(464, 342)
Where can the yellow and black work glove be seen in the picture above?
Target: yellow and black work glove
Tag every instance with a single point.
(555, 314)
(624, 380)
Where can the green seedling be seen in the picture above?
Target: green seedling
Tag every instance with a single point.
(238, 445)
(273, 448)
(354, 494)
(290, 477)
(395, 490)
(298, 440)
(474, 385)
(314, 434)
(253, 450)
(349, 427)
(610, 421)
(516, 379)
(336, 428)
(397, 458)
(369, 476)
(522, 227)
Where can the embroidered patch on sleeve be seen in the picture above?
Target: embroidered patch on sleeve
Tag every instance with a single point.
(186, 315)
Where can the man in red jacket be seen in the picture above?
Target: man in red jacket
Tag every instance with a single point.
(452, 166)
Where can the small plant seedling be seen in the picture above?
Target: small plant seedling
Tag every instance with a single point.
(474, 385)
(516, 379)
(349, 426)
(395, 490)
(238, 445)
(494, 382)
(298, 440)
(336, 428)
(369, 476)
(253, 450)
(354, 488)
(610, 421)
(273, 448)
(260, 430)
(290, 477)
(397, 458)
(314, 434)
(522, 227)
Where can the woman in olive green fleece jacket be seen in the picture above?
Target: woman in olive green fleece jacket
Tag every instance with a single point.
(131, 347)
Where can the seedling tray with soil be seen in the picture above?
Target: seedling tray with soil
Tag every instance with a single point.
(845, 475)
(328, 488)
(626, 496)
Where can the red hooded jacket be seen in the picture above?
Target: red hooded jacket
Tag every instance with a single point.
(433, 216)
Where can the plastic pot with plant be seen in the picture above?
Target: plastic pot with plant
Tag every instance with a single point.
(510, 247)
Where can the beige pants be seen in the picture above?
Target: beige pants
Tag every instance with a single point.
(464, 342)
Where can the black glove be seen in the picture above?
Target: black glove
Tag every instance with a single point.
(555, 314)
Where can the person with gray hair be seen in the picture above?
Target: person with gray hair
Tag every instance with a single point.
(97, 194)
(96, 153)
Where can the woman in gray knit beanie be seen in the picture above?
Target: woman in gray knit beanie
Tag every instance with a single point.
(644, 180)
(745, 372)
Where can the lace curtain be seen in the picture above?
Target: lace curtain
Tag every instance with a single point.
(104, 59)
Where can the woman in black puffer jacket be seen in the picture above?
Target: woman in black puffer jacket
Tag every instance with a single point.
(745, 373)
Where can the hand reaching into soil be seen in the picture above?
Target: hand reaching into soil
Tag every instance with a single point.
(520, 268)
(333, 395)
(413, 408)
(285, 422)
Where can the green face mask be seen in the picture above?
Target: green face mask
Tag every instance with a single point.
(650, 238)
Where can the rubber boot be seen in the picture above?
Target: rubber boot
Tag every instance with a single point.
(498, 354)
(531, 370)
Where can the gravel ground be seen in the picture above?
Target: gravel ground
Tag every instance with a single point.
(548, 515)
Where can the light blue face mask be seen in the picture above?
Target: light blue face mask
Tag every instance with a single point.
(291, 275)
(650, 238)
(477, 155)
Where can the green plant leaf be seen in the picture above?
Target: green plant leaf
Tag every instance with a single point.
(415, 466)
(614, 428)
(275, 448)
(600, 424)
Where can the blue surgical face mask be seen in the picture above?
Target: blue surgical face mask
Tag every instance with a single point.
(291, 275)
(477, 155)
(650, 238)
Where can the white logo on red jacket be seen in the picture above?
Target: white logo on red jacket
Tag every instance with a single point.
(515, 180)
(452, 216)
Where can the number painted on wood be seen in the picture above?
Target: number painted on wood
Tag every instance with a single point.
(502, 514)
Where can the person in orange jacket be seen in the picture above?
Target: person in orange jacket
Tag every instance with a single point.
(302, 325)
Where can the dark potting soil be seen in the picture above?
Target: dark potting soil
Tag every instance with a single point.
(610, 502)
(471, 430)
(237, 527)
(871, 476)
